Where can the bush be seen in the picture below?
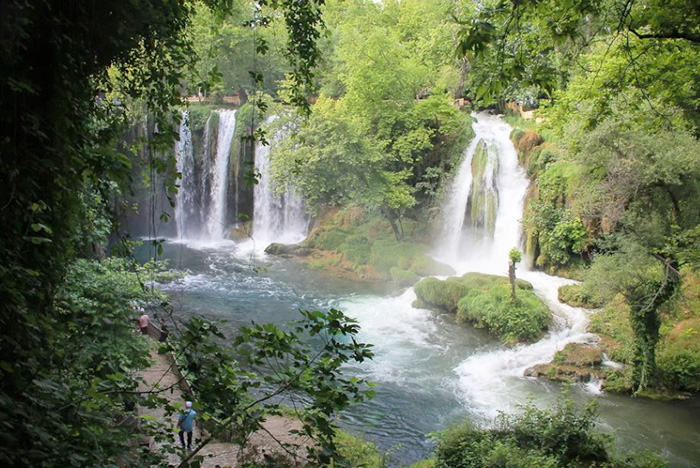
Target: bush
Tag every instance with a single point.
(388, 253)
(562, 437)
(356, 452)
(328, 240)
(426, 266)
(613, 321)
(354, 248)
(576, 296)
(441, 295)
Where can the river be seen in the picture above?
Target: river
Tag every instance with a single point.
(430, 371)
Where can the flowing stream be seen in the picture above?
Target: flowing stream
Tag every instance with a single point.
(430, 371)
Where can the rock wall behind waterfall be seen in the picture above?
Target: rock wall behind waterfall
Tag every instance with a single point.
(148, 195)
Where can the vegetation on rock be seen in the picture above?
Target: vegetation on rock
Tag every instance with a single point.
(486, 301)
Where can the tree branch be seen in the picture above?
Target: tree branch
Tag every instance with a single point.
(693, 38)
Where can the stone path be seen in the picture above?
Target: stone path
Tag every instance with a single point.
(216, 454)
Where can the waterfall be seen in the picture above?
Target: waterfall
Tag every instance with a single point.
(186, 212)
(481, 216)
(472, 240)
(200, 204)
(216, 215)
(276, 218)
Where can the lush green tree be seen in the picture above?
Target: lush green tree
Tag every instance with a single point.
(535, 43)
(514, 257)
(67, 71)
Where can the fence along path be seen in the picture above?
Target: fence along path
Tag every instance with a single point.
(163, 373)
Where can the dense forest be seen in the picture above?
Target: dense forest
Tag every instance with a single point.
(369, 109)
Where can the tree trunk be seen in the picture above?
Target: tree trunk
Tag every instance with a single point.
(391, 216)
(511, 276)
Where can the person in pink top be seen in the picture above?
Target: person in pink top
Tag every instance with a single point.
(143, 323)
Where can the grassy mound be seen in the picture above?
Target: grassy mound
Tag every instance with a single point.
(576, 296)
(485, 301)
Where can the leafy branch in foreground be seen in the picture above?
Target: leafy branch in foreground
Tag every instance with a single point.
(266, 369)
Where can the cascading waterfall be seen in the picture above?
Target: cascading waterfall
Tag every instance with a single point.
(216, 215)
(276, 218)
(186, 212)
(200, 208)
(493, 381)
(481, 241)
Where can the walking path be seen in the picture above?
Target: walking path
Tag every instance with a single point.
(160, 375)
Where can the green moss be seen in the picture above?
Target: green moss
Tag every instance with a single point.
(328, 240)
(493, 309)
(387, 253)
(322, 263)
(427, 266)
(613, 323)
(485, 301)
(484, 200)
(367, 242)
(354, 249)
(199, 116)
(357, 452)
(575, 296)
(619, 381)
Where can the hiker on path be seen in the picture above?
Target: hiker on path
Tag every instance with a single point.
(186, 424)
(143, 323)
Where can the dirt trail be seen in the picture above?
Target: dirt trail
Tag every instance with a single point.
(162, 375)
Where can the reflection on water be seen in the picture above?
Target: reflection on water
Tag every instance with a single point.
(424, 381)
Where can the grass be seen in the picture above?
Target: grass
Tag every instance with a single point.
(486, 302)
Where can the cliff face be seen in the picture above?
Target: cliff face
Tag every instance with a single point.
(149, 195)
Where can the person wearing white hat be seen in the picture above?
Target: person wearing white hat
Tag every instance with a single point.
(185, 422)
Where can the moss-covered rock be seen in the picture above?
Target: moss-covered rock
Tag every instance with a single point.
(287, 250)
(575, 296)
(485, 301)
(577, 362)
(368, 247)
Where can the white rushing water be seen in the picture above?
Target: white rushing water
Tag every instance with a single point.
(216, 215)
(276, 218)
(493, 381)
(459, 246)
(185, 201)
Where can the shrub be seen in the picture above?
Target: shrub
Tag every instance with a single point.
(329, 240)
(354, 248)
(442, 295)
(613, 321)
(485, 301)
(388, 253)
(562, 437)
(356, 452)
(426, 266)
(576, 296)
